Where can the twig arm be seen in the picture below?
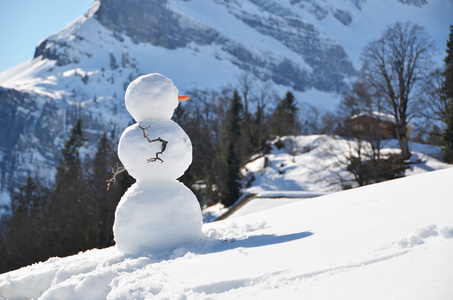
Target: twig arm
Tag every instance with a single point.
(114, 172)
(164, 145)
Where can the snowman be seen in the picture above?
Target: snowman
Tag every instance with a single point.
(157, 213)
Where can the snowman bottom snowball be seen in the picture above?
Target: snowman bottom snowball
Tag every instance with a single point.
(156, 217)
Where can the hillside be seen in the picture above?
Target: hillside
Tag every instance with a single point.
(296, 167)
(311, 47)
(318, 163)
(392, 240)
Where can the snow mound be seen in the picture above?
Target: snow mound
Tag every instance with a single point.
(391, 240)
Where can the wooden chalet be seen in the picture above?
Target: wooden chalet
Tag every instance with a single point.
(370, 124)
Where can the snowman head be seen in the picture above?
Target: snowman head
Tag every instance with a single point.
(152, 97)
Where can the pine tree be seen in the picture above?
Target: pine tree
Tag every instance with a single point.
(233, 177)
(284, 119)
(259, 122)
(103, 202)
(447, 136)
(235, 116)
(23, 240)
(71, 157)
(447, 89)
(233, 151)
(102, 205)
(69, 211)
(261, 125)
(112, 59)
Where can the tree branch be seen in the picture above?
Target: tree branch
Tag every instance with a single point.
(114, 172)
(164, 144)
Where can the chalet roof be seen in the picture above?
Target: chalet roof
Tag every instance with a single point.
(381, 116)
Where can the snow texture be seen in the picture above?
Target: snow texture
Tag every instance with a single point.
(391, 240)
(318, 163)
(156, 213)
(156, 217)
(151, 97)
(134, 151)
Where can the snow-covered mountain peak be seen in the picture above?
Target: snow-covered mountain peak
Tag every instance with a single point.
(309, 46)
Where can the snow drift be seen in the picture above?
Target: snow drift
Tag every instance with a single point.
(392, 240)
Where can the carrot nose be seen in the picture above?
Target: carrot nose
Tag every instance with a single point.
(183, 98)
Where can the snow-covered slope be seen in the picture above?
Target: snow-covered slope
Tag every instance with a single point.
(392, 240)
(318, 163)
(310, 46)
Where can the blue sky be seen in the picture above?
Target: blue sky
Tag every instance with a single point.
(24, 23)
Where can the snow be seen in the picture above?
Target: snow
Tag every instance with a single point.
(213, 212)
(156, 217)
(157, 212)
(252, 203)
(261, 204)
(155, 149)
(151, 97)
(135, 151)
(371, 20)
(220, 17)
(196, 66)
(392, 240)
(317, 163)
(382, 117)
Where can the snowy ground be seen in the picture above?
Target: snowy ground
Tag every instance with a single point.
(317, 163)
(392, 240)
(311, 165)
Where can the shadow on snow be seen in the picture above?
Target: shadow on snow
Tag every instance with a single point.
(258, 241)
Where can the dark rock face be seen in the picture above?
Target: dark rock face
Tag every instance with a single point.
(33, 126)
(417, 3)
(328, 60)
(10, 130)
(57, 51)
(33, 129)
(154, 22)
(24, 126)
(343, 16)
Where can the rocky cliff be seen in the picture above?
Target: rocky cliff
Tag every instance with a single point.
(308, 46)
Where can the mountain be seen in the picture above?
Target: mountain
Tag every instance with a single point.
(392, 240)
(309, 46)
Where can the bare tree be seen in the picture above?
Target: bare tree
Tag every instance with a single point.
(255, 99)
(432, 102)
(396, 66)
(431, 109)
(329, 123)
(266, 95)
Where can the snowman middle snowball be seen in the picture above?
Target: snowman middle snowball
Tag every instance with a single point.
(157, 212)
